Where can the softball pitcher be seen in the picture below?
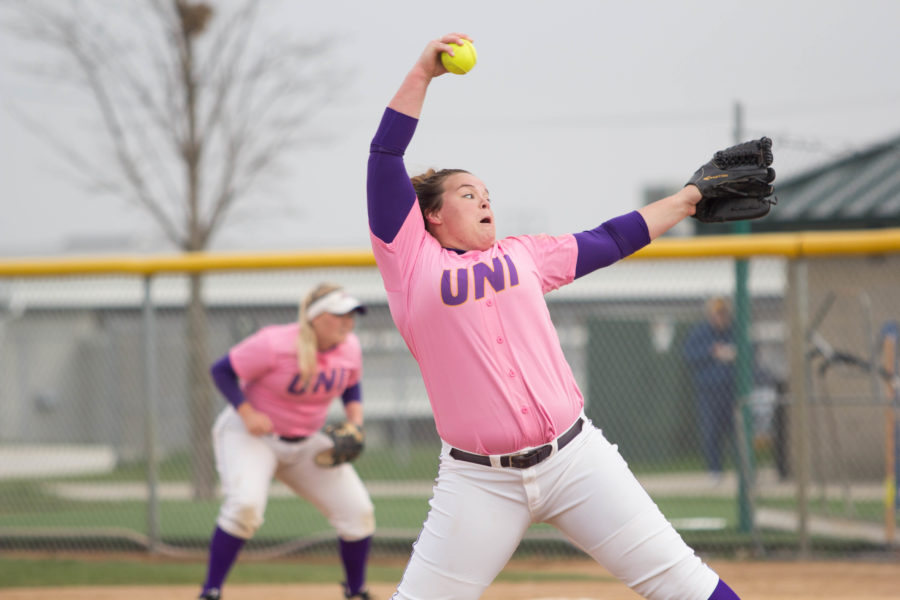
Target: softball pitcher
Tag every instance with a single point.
(517, 447)
(279, 383)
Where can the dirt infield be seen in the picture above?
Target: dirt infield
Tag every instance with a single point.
(752, 580)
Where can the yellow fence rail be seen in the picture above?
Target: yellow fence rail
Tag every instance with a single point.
(788, 245)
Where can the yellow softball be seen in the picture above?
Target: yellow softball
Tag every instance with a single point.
(463, 60)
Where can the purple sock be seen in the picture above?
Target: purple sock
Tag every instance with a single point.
(354, 555)
(223, 551)
(723, 592)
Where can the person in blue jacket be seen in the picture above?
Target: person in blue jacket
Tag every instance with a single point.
(710, 353)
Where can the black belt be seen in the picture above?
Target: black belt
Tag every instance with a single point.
(292, 439)
(522, 461)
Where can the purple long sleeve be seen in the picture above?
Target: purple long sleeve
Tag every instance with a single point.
(226, 379)
(389, 190)
(352, 394)
(609, 242)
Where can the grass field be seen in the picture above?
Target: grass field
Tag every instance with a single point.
(39, 505)
(51, 571)
(40, 570)
(39, 515)
(286, 518)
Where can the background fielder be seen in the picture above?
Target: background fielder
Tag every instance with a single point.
(279, 383)
(517, 448)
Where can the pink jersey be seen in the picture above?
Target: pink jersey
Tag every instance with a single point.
(266, 362)
(479, 327)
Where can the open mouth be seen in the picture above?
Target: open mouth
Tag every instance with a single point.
(486, 220)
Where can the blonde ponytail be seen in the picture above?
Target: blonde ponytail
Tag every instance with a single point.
(307, 342)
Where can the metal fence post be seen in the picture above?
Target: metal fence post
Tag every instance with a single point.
(744, 366)
(797, 339)
(151, 414)
(743, 387)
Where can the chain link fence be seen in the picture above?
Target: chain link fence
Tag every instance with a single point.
(103, 445)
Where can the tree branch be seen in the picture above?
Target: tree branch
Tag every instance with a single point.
(198, 112)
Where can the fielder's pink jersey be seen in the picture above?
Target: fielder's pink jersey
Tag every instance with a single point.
(266, 363)
(479, 327)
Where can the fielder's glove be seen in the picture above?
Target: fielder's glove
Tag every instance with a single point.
(736, 184)
(348, 440)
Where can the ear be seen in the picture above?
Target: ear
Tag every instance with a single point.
(434, 218)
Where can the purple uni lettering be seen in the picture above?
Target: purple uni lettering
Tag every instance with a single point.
(326, 380)
(481, 272)
(293, 387)
(462, 287)
(513, 274)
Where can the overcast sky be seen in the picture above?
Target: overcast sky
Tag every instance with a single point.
(574, 108)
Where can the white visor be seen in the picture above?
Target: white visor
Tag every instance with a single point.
(337, 302)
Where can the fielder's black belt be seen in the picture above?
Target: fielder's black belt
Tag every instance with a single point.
(292, 439)
(525, 460)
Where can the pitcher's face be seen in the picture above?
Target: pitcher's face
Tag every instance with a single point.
(465, 220)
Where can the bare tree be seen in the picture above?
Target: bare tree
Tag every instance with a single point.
(198, 109)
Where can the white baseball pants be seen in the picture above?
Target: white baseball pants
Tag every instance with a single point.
(479, 514)
(247, 464)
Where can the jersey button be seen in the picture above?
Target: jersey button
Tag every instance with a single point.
(512, 373)
(524, 410)
(499, 339)
(490, 302)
